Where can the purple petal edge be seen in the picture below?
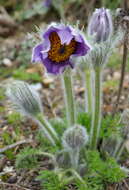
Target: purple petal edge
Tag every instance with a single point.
(56, 68)
(36, 53)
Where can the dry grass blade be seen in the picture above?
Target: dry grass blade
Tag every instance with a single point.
(15, 144)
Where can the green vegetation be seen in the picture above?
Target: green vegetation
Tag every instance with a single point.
(111, 4)
(5, 73)
(44, 145)
(21, 74)
(13, 133)
(107, 170)
(50, 181)
(2, 109)
(2, 94)
(110, 125)
(38, 9)
(100, 170)
(27, 158)
(84, 119)
(14, 119)
(116, 60)
(7, 140)
(111, 84)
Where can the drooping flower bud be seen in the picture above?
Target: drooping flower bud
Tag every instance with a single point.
(100, 25)
(75, 137)
(24, 98)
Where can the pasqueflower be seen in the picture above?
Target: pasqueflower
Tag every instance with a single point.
(60, 44)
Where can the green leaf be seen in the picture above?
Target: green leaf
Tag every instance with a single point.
(27, 158)
(50, 181)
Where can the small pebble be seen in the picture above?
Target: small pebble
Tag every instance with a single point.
(7, 62)
(12, 179)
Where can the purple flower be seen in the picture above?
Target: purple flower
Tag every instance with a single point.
(61, 43)
(47, 3)
(100, 25)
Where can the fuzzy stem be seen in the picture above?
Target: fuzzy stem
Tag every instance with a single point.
(96, 116)
(62, 12)
(75, 176)
(78, 177)
(52, 133)
(69, 98)
(117, 148)
(45, 132)
(88, 91)
(74, 156)
(120, 149)
(49, 155)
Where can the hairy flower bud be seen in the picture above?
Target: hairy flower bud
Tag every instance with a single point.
(24, 98)
(100, 25)
(75, 137)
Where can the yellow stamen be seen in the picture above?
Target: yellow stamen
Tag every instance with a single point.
(58, 52)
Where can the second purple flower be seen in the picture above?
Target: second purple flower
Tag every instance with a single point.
(61, 43)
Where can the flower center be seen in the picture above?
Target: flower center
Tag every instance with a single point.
(62, 50)
(58, 52)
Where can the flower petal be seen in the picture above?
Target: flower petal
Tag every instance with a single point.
(82, 49)
(49, 31)
(36, 53)
(65, 35)
(56, 68)
(46, 48)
